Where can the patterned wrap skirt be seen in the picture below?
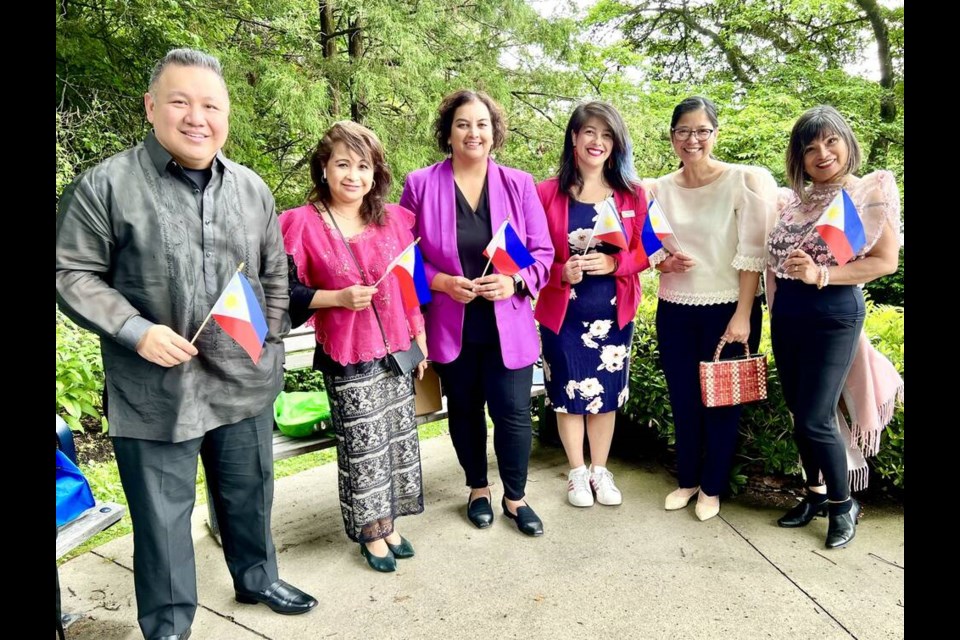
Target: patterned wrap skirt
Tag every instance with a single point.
(378, 452)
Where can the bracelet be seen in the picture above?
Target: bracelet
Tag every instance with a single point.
(824, 279)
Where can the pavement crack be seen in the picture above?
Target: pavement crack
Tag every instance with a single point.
(892, 564)
(817, 553)
(113, 560)
(234, 621)
(813, 600)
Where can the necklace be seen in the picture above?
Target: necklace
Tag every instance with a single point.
(335, 212)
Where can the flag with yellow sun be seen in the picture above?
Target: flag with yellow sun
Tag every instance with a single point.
(238, 313)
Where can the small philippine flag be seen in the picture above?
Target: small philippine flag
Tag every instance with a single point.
(655, 229)
(608, 228)
(408, 267)
(841, 228)
(507, 253)
(238, 313)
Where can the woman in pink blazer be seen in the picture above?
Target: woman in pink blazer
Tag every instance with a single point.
(480, 330)
(586, 311)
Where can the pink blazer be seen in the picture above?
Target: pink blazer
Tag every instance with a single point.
(430, 194)
(552, 305)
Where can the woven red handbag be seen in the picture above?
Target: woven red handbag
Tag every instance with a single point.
(732, 381)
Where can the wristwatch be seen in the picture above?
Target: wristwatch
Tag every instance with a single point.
(518, 284)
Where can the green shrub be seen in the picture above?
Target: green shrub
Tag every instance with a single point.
(888, 289)
(302, 380)
(79, 374)
(766, 428)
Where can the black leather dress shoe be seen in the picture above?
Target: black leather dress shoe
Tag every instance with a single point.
(403, 550)
(480, 512)
(843, 527)
(281, 597)
(526, 519)
(803, 513)
(180, 636)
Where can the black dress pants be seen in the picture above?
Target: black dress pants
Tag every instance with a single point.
(159, 480)
(477, 377)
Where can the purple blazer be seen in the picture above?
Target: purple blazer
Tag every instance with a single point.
(430, 194)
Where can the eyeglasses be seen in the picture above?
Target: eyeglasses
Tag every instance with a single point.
(702, 134)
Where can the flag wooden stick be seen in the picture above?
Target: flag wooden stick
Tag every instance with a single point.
(207, 319)
(393, 263)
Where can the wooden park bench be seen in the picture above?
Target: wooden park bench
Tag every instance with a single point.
(299, 346)
(96, 519)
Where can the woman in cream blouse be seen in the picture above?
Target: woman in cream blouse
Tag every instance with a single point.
(720, 214)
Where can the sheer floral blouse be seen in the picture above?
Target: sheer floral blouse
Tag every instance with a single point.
(874, 195)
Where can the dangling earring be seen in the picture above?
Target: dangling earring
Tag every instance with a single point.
(373, 183)
(323, 178)
(610, 162)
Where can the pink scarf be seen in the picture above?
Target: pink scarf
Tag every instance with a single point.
(870, 394)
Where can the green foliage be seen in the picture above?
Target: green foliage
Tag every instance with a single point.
(302, 380)
(766, 428)
(888, 289)
(79, 374)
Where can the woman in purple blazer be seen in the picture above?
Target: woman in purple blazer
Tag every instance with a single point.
(480, 330)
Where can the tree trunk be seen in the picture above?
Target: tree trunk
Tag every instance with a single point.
(329, 51)
(358, 106)
(888, 103)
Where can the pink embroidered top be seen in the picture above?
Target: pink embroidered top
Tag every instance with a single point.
(323, 262)
(874, 195)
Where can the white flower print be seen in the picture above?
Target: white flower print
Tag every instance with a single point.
(561, 410)
(623, 396)
(588, 341)
(590, 387)
(600, 328)
(613, 300)
(595, 405)
(573, 293)
(571, 389)
(546, 370)
(612, 357)
(578, 238)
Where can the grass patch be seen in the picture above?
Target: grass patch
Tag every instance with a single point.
(104, 479)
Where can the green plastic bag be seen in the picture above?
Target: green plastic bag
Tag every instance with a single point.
(298, 413)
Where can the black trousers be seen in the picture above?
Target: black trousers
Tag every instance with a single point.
(706, 437)
(477, 377)
(814, 334)
(159, 480)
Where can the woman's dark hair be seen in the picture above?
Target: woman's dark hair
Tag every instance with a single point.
(364, 143)
(448, 107)
(694, 103)
(618, 171)
(819, 122)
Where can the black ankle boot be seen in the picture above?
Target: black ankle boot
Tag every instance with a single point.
(812, 505)
(843, 526)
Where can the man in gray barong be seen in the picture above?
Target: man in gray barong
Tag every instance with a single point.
(146, 242)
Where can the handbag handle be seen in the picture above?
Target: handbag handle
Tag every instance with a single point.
(363, 280)
(723, 341)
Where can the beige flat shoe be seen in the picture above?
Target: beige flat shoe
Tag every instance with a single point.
(678, 498)
(707, 506)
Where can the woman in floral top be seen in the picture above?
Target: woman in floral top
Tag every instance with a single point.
(818, 313)
(586, 310)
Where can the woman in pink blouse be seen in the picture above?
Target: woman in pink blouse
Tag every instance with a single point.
(339, 244)
(818, 312)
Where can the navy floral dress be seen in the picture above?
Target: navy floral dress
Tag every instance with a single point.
(586, 365)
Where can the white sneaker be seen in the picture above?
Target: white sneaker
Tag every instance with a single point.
(601, 481)
(578, 487)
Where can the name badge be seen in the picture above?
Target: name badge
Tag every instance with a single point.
(628, 213)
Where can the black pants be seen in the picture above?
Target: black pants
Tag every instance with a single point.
(159, 480)
(706, 437)
(478, 376)
(814, 334)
